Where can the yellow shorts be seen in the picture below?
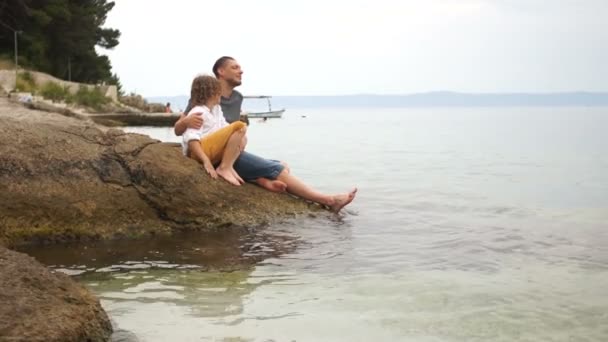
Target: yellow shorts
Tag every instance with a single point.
(214, 144)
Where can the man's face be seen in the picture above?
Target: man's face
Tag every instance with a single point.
(231, 73)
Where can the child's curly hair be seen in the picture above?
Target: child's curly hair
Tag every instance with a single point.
(204, 87)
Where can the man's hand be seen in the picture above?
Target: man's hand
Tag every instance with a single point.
(195, 120)
(191, 121)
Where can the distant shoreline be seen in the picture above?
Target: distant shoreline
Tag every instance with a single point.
(430, 99)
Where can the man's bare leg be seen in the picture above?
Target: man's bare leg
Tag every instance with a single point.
(342, 200)
(273, 185)
(286, 166)
(231, 152)
(298, 188)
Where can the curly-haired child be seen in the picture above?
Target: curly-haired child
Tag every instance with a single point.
(216, 143)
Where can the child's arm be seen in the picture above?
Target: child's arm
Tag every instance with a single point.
(196, 153)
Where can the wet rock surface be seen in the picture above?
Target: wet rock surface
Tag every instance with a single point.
(37, 304)
(64, 180)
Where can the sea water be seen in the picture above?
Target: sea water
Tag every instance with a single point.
(470, 224)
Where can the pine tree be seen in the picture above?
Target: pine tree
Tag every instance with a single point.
(59, 37)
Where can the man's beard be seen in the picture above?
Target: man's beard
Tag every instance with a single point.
(234, 83)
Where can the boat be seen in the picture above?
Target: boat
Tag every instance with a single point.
(271, 114)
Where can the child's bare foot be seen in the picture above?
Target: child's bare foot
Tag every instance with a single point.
(340, 201)
(272, 185)
(228, 176)
(236, 175)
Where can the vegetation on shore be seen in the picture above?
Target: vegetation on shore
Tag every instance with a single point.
(85, 96)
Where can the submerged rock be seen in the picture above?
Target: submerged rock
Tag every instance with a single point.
(64, 179)
(39, 305)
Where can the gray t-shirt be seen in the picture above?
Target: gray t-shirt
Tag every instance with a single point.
(231, 106)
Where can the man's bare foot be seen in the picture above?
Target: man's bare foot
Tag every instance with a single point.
(228, 176)
(340, 201)
(272, 185)
(236, 175)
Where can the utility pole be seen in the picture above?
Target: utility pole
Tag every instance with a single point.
(16, 58)
(16, 52)
(15, 32)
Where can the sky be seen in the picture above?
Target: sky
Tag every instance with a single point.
(330, 47)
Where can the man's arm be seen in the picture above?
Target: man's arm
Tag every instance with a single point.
(194, 121)
(196, 153)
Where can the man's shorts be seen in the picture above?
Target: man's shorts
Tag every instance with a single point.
(251, 167)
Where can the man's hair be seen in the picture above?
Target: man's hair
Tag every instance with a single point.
(220, 64)
(204, 87)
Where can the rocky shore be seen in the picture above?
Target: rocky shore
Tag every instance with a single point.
(65, 179)
(39, 305)
(119, 114)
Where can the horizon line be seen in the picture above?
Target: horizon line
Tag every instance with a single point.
(445, 92)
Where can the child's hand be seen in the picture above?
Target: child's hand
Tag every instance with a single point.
(210, 170)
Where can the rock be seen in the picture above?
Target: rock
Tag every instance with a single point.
(121, 335)
(39, 305)
(138, 102)
(64, 179)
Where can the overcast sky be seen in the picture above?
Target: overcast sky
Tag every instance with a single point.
(327, 47)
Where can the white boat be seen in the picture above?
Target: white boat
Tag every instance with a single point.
(271, 114)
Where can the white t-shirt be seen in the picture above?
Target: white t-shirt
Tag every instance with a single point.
(212, 121)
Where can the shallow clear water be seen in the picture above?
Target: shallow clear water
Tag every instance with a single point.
(471, 224)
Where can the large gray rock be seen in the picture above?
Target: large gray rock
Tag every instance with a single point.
(63, 179)
(39, 305)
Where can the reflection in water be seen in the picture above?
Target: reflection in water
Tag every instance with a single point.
(225, 250)
(204, 294)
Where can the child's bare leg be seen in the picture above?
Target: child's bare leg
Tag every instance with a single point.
(236, 175)
(243, 142)
(231, 152)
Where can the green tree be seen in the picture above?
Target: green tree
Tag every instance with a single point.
(59, 37)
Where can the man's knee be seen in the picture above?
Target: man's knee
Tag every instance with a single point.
(283, 175)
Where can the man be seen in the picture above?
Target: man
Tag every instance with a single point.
(269, 174)
(250, 167)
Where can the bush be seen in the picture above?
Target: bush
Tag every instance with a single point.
(93, 98)
(25, 82)
(54, 92)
